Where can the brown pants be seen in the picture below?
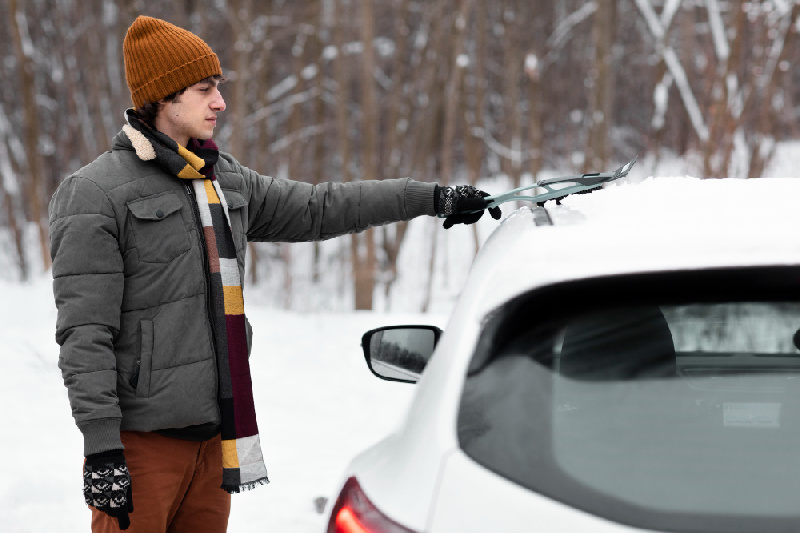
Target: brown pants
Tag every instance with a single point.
(176, 486)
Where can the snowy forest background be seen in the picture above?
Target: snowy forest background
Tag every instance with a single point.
(500, 92)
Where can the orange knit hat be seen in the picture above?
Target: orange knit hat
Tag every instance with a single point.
(161, 58)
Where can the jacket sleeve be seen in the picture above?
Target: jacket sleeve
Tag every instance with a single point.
(292, 211)
(88, 283)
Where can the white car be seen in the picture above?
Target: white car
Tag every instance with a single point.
(625, 361)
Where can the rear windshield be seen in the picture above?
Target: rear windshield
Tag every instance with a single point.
(663, 414)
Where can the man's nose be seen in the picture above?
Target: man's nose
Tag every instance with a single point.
(218, 103)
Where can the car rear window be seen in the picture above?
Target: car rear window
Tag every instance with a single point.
(666, 401)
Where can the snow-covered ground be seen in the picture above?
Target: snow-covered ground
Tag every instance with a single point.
(317, 406)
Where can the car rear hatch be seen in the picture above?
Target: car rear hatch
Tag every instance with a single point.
(665, 401)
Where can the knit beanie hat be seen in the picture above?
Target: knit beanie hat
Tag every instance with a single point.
(161, 58)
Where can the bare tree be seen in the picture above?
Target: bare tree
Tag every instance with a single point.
(598, 147)
(364, 267)
(396, 137)
(10, 197)
(24, 49)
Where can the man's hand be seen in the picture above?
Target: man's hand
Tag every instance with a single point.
(107, 485)
(463, 204)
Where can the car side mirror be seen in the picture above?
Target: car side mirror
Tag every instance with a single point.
(399, 353)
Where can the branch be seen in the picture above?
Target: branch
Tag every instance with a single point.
(689, 101)
(661, 100)
(9, 181)
(517, 156)
(562, 32)
(670, 8)
(654, 25)
(288, 140)
(718, 31)
(284, 104)
(675, 68)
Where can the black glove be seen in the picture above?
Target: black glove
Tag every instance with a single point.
(107, 485)
(463, 204)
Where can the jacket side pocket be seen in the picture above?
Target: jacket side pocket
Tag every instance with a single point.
(145, 358)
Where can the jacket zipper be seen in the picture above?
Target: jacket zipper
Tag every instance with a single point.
(199, 224)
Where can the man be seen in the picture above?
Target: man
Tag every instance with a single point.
(148, 245)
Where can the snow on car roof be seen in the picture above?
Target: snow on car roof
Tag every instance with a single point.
(655, 225)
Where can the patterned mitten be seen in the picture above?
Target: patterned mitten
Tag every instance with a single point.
(463, 204)
(107, 485)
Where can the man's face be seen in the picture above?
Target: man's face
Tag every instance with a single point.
(192, 114)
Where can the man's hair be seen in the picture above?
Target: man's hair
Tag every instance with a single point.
(149, 110)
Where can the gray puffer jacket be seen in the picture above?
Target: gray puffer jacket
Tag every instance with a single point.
(129, 278)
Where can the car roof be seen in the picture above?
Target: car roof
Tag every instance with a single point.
(659, 224)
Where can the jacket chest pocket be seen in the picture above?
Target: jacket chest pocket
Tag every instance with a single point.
(158, 228)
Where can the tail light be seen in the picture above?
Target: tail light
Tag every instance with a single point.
(354, 513)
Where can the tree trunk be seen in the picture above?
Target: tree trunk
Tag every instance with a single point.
(262, 79)
(339, 17)
(315, 48)
(452, 98)
(427, 147)
(598, 149)
(364, 271)
(454, 88)
(32, 186)
(473, 145)
(395, 140)
(238, 15)
(96, 88)
(10, 199)
(731, 120)
(535, 134)
(286, 259)
(763, 145)
(342, 93)
(722, 123)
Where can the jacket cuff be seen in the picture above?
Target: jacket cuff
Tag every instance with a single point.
(419, 199)
(101, 435)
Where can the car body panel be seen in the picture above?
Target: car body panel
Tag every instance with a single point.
(661, 224)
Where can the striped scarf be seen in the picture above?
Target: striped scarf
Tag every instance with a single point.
(243, 465)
